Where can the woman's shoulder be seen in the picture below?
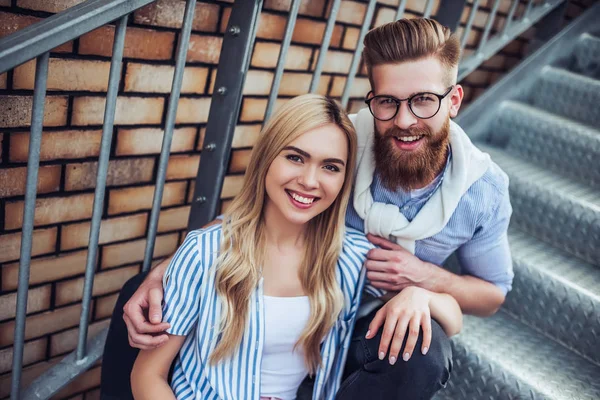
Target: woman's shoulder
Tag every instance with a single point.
(355, 247)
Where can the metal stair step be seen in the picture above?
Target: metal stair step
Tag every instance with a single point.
(557, 210)
(501, 358)
(556, 294)
(568, 94)
(569, 148)
(587, 56)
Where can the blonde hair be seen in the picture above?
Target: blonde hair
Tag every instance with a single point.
(243, 243)
(409, 40)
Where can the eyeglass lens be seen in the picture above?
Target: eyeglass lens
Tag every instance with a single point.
(423, 105)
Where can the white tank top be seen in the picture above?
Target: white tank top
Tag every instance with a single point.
(283, 368)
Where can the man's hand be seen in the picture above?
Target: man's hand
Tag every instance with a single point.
(143, 312)
(409, 309)
(393, 268)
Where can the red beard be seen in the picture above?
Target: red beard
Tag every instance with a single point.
(411, 169)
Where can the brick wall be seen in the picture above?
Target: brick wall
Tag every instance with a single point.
(77, 81)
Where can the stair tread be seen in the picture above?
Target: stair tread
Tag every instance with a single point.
(559, 265)
(528, 355)
(519, 169)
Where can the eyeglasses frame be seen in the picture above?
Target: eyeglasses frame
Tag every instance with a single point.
(408, 100)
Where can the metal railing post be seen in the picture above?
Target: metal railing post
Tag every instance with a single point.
(314, 83)
(33, 164)
(428, 9)
(224, 110)
(103, 162)
(449, 13)
(358, 52)
(488, 26)
(285, 45)
(182, 50)
(400, 10)
(469, 26)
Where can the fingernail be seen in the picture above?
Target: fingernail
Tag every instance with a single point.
(381, 355)
(368, 333)
(156, 317)
(392, 360)
(425, 350)
(406, 356)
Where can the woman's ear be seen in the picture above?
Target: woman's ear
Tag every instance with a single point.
(456, 100)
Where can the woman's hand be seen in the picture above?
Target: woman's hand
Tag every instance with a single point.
(409, 309)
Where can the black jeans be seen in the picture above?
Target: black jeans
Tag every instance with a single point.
(365, 376)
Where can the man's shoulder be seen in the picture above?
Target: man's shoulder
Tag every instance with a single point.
(494, 180)
(206, 238)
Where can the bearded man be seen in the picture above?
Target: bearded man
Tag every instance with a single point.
(422, 191)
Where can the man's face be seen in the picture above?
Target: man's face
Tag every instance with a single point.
(411, 151)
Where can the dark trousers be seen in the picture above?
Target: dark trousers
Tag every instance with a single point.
(365, 377)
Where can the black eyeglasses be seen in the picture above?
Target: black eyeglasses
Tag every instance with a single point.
(423, 105)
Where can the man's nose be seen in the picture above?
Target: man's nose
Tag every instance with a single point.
(405, 118)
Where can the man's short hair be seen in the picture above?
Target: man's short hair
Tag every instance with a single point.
(411, 39)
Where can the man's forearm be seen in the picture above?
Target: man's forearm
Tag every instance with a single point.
(159, 271)
(475, 296)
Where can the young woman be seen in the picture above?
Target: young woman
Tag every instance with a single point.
(269, 296)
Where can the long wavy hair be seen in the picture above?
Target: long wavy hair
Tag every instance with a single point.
(243, 240)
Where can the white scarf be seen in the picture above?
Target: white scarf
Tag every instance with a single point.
(467, 165)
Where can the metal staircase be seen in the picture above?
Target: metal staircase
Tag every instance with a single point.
(541, 124)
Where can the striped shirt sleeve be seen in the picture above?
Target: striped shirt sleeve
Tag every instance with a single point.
(361, 246)
(181, 284)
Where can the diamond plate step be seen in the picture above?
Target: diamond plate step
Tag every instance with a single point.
(569, 148)
(555, 209)
(586, 59)
(556, 294)
(501, 358)
(568, 94)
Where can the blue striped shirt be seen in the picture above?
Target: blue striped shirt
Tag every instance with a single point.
(193, 309)
(477, 230)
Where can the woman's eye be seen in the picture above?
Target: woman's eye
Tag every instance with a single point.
(333, 168)
(294, 158)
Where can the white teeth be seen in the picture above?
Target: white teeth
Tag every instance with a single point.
(408, 138)
(301, 199)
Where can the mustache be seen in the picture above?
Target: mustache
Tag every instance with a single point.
(414, 131)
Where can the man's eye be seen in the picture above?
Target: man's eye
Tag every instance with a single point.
(294, 158)
(385, 100)
(423, 98)
(331, 167)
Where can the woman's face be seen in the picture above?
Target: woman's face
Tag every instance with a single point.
(307, 175)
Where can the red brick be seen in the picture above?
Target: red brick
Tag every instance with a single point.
(173, 219)
(32, 352)
(131, 252)
(352, 12)
(141, 197)
(57, 145)
(15, 111)
(254, 109)
(3, 80)
(120, 172)
(83, 75)
(66, 341)
(169, 13)
(149, 141)
(104, 282)
(245, 135)
(182, 167)
(1, 146)
(335, 61)
(239, 161)
(307, 7)
(111, 230)
(355, 106)
(258, 82)
(51, 210)
(85, 381)
(129, 110)
(5, 3)
(12, 180)
(53, 6)
(201, 136)
(10, 23)
(105, 306)
(312, 32)
(231, 185)
(192, 111)
(295, 84)
(93, 394)
(142, 43)
(42, 324)
(266, 55)
(206, 49)
(46, 269)
(478, 77)
(44, 242)
(38, 299)
(225, 204)
(146, 78)
(360, 87)
(351, 37)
